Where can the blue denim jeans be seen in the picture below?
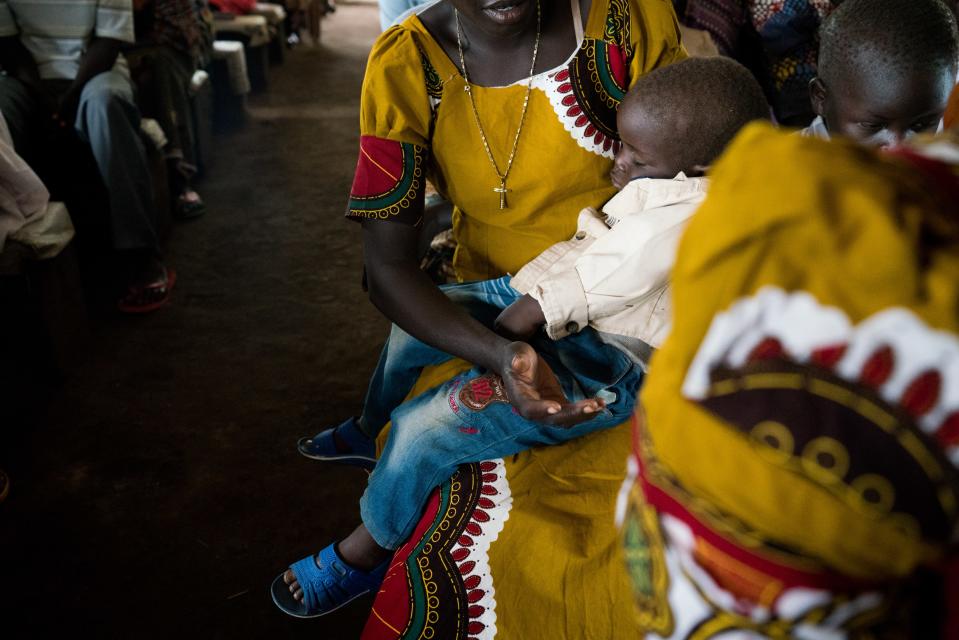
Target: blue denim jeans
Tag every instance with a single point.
(468, 418)
(404, 357)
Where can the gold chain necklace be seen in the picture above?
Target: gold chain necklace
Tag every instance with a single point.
(501, 189)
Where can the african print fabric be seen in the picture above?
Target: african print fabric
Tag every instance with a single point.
(389, 181)
(723, 19)
(796, 466)
(786, 34)
(177, 24)
(444, 568)
(788, 31)
(522, 547)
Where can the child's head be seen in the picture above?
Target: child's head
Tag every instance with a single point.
(681, 117)
(886, 68)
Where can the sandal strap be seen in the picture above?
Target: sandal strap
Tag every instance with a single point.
(356, 440)
(360, 446)
(327, 581)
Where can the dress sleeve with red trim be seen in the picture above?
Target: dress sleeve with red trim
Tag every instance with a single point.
(395, 125)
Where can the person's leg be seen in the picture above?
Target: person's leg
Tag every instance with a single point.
(361, 549)
(315, 14)
(353, 441)
(469, 419)
(109, 122)
(418, 455)
(24, 116)
(171, 77)
(401, 361)
(404, 357)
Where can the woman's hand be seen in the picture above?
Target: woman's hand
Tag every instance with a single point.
(406, 296)
(535, 392)
(521, 319)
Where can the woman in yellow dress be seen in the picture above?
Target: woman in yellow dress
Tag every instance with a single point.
(519, 155)
(509, 108)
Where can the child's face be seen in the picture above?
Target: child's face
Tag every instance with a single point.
(883, 114)
(647, 151)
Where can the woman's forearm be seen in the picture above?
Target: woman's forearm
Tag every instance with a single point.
(406, 295)
(409, 298)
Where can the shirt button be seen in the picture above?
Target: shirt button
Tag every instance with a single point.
(572, 327)
(580, 235)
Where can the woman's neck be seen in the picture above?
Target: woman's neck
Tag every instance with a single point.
(498, 60)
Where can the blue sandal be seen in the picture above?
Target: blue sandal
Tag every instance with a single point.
(322, 446)
(328, 583)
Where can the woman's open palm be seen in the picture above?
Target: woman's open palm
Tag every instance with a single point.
(536, 394)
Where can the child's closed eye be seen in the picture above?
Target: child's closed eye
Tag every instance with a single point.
(871, 127)
(925, 124)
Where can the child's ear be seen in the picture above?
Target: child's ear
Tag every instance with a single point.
(817, 95)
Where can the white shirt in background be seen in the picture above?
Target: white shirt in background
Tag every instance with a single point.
(57, 32)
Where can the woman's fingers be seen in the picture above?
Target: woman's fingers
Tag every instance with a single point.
(574, 413)
(557, 412)
(538, 410)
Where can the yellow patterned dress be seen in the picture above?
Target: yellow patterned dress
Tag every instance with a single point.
(416, 122)
(797, 446)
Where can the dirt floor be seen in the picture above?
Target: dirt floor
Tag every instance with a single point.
(159, 491)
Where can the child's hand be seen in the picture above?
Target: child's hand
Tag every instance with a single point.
(521, 319)
(535, 392)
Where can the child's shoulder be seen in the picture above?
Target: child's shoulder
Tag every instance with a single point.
(650, 193)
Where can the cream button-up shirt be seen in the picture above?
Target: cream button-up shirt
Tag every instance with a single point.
(613, 274)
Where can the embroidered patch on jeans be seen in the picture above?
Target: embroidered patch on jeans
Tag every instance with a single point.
(483, 391)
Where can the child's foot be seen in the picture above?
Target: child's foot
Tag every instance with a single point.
(317, 585)
(344, 444)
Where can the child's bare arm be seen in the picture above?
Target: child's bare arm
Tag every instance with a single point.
(521, 319)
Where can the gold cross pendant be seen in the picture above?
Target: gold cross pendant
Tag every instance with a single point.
(501, 190)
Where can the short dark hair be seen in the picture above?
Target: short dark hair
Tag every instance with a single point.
(703, 101)
(907, 35)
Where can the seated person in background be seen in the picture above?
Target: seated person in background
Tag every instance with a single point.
(168, 48)
(237, 7)
(62, 69)
(775, 39)
(603, 296)
(886, 68)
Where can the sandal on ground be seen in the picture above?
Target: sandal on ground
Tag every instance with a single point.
(144, 298)
(327, 582)
(188, 208)
(322, 446)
